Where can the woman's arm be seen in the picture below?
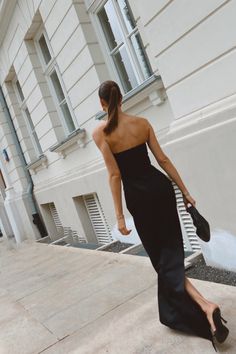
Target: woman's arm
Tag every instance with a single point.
(113, 170)
(115, 186)
(164, 160)
(114, 177)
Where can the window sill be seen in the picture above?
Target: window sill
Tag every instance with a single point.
(76, 137)
(39, 162)
(151, 88)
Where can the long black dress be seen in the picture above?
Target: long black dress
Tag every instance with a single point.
(150, 198)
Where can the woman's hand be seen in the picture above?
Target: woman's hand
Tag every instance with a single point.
(188, 199)
(122, 226)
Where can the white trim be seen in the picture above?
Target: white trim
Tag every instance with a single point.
(41, 31)
(206, 116)
(47, 71)
(124, 42)
(105, 48)
(34, 166)
(76, 137)
(22, 107)
(95, 4)
(93, 10)
(211, 117)
(130, 51)
(6, 11)
(14, 80)
(36, 144)
(56, 102)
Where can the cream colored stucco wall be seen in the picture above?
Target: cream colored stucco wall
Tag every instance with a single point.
(190, 44)
(193, 45)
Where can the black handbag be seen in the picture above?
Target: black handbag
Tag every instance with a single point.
(201, 224)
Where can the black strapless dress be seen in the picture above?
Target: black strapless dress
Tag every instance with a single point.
(150, 198)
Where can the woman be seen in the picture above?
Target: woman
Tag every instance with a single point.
(150, 198)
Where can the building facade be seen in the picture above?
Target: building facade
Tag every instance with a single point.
(174, 62)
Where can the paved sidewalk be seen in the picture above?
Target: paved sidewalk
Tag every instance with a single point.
(63, 300)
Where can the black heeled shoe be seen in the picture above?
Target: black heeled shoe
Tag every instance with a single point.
(221, 332)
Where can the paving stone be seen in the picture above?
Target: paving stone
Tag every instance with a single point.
(64, 300)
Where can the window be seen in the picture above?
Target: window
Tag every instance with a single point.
(32, 133)
(28, 121)
(62, 101)
(124, 43)
(55, 84)
(44, 49)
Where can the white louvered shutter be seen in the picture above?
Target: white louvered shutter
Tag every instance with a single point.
(190, 237)
(64, 231)
(55, 215)
(97, 218)
(77, 238)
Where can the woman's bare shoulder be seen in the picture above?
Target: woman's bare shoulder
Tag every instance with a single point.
(145, 122)
(142, 122)
(138, 119)
(98, 130)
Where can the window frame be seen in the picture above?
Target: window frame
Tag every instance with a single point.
(47, 70)
(23, 107)
(93, 10)
(32, 133)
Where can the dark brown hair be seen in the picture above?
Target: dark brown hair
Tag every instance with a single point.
(110, 92)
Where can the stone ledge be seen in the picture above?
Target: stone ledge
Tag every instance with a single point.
(40, 161)
(76, 137)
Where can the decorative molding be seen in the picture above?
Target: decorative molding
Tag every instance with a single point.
(157, 97)
(10, 193)
(93, 5)
(76, 137)
(41, 161)
(6, 9)
(219, 113)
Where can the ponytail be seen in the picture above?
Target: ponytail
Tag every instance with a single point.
(110, 92)
(112, 111)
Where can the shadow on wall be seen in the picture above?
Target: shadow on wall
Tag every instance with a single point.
(220, 251)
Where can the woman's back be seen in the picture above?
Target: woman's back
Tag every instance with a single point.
(131, 131)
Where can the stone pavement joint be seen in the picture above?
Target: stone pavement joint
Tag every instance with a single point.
(65, 300)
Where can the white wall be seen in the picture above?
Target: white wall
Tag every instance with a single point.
(82, 66)
(193, 45)
(189, 43)
(194, 48)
